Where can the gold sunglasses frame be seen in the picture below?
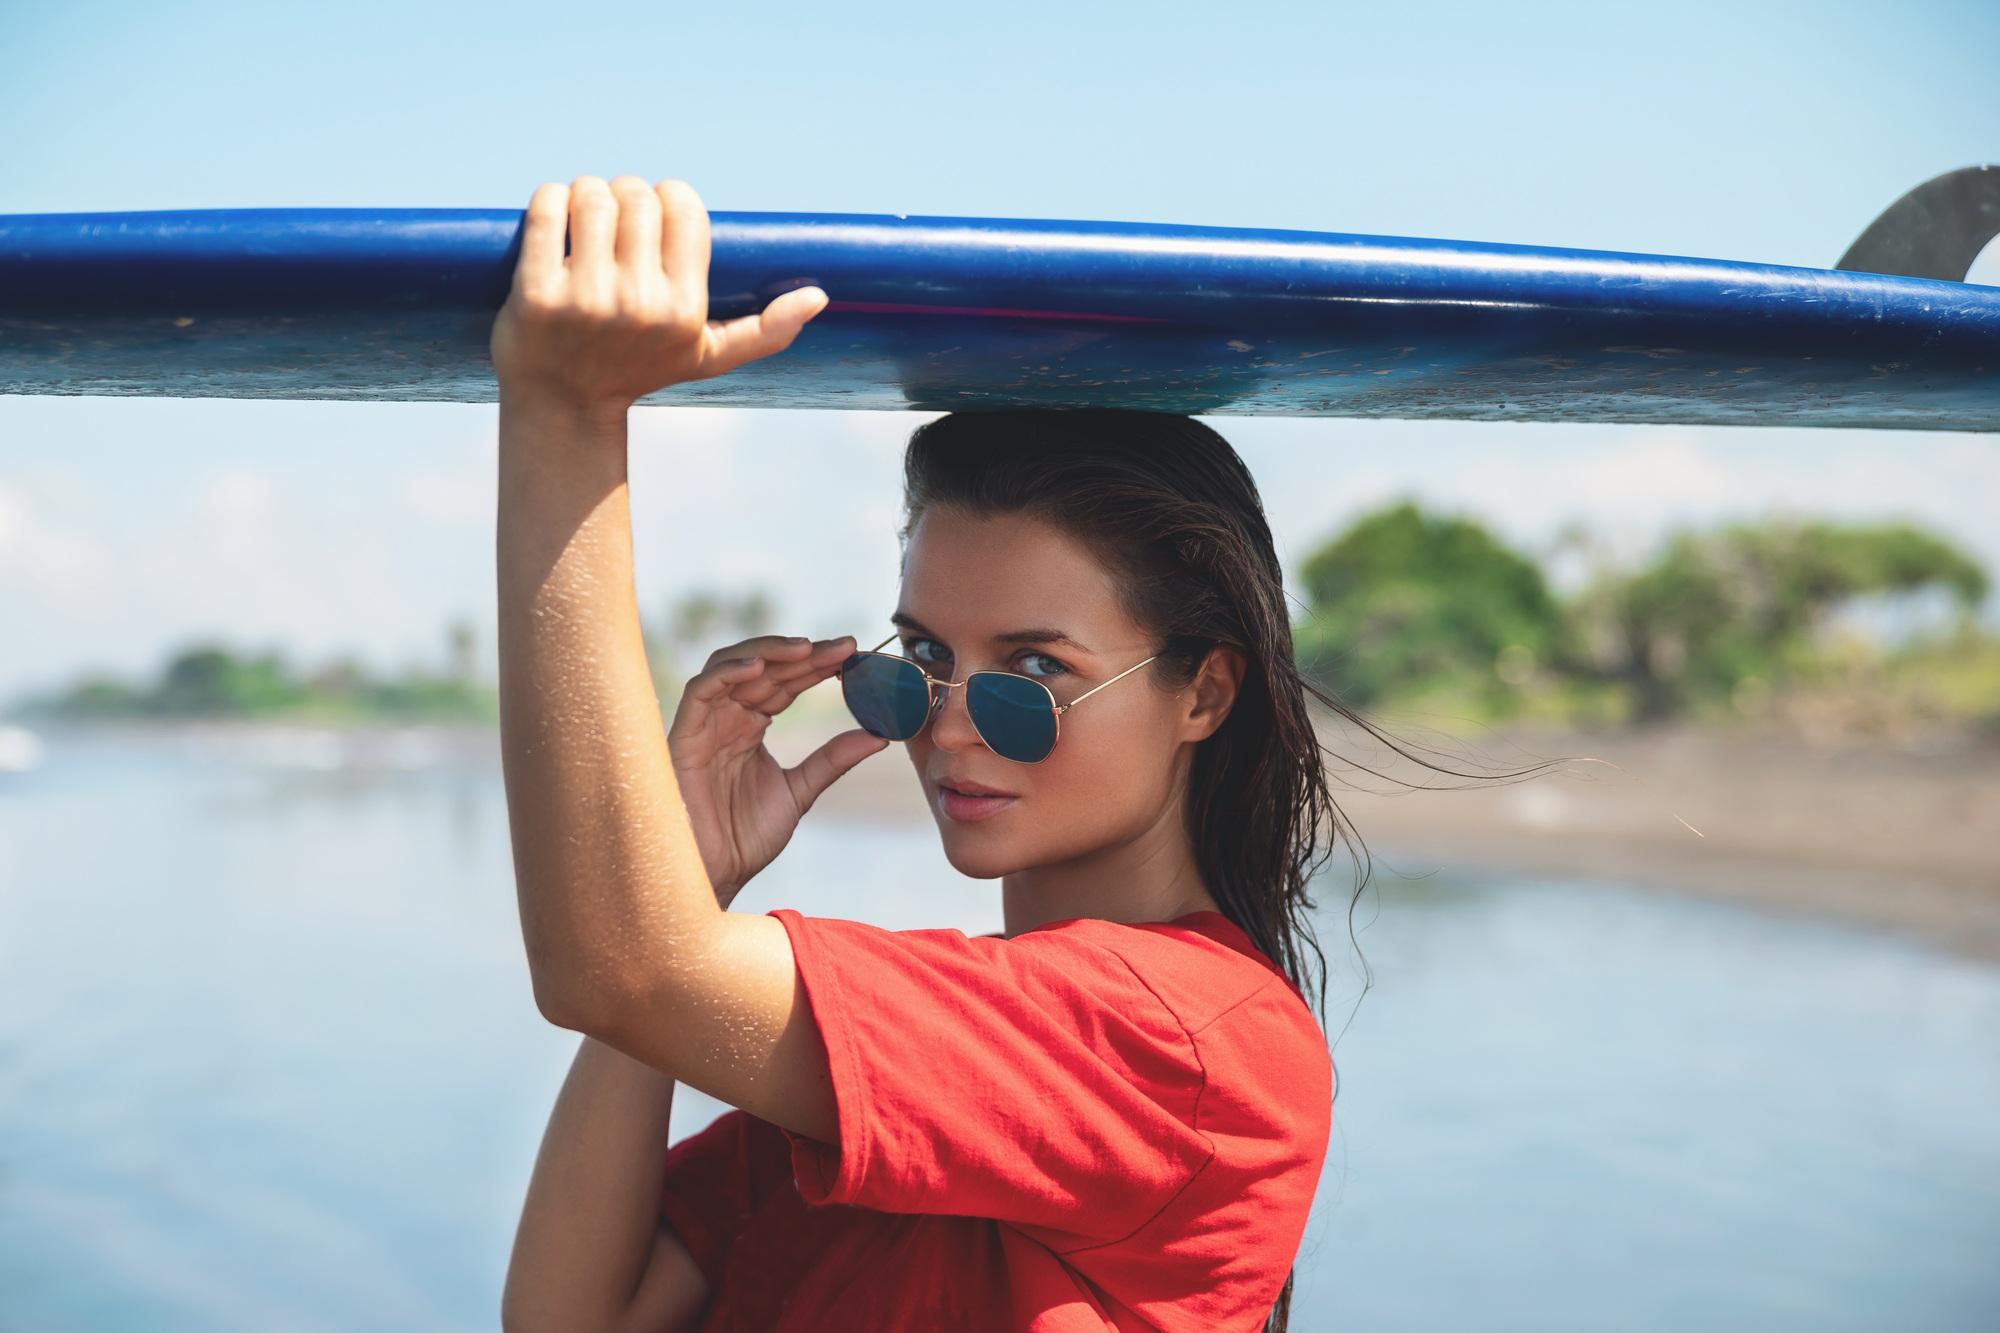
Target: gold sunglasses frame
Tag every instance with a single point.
(937, 688)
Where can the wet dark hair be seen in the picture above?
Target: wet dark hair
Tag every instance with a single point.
(1165, 503)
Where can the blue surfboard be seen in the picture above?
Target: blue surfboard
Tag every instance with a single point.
(954, 313)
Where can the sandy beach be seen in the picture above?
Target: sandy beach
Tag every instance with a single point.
(1900, 836)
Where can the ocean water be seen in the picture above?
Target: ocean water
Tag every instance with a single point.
(269, 1059)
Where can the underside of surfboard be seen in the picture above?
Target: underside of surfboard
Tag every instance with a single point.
(950, 313)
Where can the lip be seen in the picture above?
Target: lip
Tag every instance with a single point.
(968, 788)
(970, 809)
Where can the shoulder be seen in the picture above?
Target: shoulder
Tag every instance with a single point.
(1255, 1036)
(1194, 974)
(1055, 987)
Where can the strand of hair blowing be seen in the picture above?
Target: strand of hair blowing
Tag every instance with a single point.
(1168, 506)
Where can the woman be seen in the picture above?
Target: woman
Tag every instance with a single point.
(1113, 1113)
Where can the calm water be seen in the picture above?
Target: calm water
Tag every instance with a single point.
(269, 1060)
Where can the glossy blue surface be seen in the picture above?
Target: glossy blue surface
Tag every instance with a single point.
(936, 313)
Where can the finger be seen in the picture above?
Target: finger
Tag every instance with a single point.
(720, 680)
(593, 223)
(825, 655)
(685, 245)
(772, 690)
(771, 693)
(781, 681)
(726, 676)
(637, 249)
(544, 229)
(780, 643)
(824, 766)
(771, 330)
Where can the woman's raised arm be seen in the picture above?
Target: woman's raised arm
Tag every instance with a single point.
(625, 938)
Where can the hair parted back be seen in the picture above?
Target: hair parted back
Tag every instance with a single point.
(1166, 504)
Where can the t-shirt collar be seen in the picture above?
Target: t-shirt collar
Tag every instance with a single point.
(1207, 922)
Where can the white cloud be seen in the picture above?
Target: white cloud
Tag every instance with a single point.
(13, 518)
(235, 494)
(460, 491)
(42, 558)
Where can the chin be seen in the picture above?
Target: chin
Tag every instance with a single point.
(976, 857)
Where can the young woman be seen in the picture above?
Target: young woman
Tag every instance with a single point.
(1110, 1115)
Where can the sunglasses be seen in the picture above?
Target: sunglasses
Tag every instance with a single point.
(1015, 715)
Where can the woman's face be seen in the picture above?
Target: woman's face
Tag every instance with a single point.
(967, 583)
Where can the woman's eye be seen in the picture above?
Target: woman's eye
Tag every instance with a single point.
(1059, 668)
(914, 649)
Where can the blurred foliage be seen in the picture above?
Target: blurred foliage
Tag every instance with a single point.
(1748, 602)
(1403, 598)
(1414, 610)
(208, 680)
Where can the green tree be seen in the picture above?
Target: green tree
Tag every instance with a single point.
(1748, 600)
(1403, 600)
(209, 679)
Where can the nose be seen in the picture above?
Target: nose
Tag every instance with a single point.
(951, 723)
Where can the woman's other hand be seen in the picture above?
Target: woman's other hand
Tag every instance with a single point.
(626, 311)
(742, 805)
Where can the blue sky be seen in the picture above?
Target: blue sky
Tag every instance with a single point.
(1759, 132)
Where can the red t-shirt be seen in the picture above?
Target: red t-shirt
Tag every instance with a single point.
(1093, 1125)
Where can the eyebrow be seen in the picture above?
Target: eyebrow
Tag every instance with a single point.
(904, 620)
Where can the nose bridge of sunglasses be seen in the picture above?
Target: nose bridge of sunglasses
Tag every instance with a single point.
(941, 692)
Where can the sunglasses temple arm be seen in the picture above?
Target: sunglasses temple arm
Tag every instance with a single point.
(1113, 681)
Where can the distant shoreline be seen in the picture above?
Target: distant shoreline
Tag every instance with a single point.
(1903, 838)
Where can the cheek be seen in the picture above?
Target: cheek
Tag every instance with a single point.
(1104, 774)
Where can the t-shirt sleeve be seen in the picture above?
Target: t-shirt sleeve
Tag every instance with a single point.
(1037, 1081)
(707, 1193)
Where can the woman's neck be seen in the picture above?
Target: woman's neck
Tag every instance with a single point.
(1152, 877)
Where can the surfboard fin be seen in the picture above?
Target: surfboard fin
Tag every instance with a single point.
(1934, 231)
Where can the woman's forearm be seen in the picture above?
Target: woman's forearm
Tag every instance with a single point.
(611, 883)
(592, 1210)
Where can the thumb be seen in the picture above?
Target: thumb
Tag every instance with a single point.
(728, 345)
(824, 766)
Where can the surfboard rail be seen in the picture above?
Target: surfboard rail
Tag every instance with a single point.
(956, 313)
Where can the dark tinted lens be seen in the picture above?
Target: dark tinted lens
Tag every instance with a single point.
(1013, 714)
(888, 696)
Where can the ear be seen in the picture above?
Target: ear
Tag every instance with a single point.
(1214, 691)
